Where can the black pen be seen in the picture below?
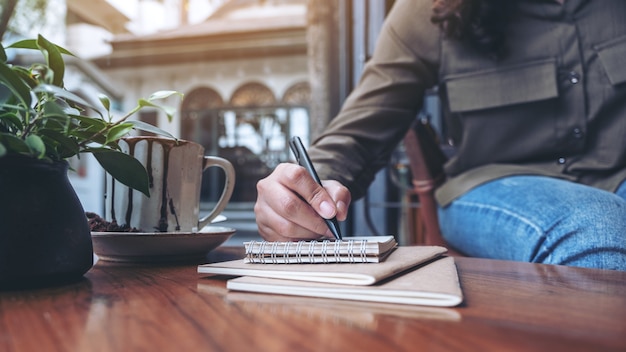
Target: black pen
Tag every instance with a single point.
(303, 159)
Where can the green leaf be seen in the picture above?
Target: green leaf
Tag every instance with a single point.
(25, 44)
(88, 135)
(3, 54)
(42, 74)
(62, 93)
(54, 59)
(35, 144)
(90, 122)
(169, 111)
(119, 131)
(67, 108)
(53, 123)
(124, 168)
(106, 102)
(25, 75)
(65, 146)
(32, 44)
(11, 120)
(3, 150)
(14, 144)
(143, 126)
(12, 81)
(51, 109)
(145, 102)
(163, 94)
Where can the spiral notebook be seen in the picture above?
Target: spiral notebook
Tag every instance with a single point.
(416, 275)
(368, 249)
(401, 259)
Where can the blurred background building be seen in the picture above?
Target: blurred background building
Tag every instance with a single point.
(253, 73)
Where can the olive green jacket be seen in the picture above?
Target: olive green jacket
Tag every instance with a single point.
(555, 105)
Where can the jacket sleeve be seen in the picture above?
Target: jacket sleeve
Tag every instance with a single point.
(376, 115)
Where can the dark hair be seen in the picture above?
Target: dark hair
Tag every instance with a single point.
(480, 23)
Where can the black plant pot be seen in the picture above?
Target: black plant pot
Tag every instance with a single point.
(44, 234)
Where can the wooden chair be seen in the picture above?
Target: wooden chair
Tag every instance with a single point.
(426, 160)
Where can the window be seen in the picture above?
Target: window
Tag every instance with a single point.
(251, 131)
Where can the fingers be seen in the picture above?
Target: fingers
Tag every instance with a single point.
(274, 227)
(341, 197)
(290, 205)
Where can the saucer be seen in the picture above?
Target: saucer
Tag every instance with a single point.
(158, 246)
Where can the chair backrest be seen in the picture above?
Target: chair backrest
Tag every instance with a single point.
(426, 161)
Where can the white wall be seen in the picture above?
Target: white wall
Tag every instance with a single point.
(87, 41)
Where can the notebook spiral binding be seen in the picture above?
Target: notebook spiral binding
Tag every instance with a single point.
(265, 252)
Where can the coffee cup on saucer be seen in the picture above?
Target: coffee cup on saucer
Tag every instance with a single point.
(175, 169)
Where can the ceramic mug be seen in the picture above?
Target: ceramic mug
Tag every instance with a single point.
(175, 169)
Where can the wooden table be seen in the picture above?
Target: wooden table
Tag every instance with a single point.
(508, 307)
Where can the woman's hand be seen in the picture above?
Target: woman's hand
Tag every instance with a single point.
(291, 206)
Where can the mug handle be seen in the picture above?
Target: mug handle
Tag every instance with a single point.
(229, 186)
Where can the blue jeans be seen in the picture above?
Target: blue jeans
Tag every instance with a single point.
(541, 220)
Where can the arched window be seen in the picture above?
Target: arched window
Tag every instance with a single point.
(251, 95)
(298, 94)
(199, 111)
(298, 98)
(251, 131)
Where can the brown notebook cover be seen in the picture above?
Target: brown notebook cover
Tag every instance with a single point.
(401, 259)
(434, 283)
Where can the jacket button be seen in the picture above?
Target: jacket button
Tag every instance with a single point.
(574, 78)
(577, 133)
(561, 161)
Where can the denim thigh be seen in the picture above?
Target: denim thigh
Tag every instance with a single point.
(539, 219)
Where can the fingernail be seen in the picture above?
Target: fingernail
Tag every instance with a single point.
(327, 210)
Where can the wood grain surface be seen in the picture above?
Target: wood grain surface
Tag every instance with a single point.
(508, 306)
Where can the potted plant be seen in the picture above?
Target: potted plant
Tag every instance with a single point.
(44, 235)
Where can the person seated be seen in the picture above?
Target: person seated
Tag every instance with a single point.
(534, 94)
